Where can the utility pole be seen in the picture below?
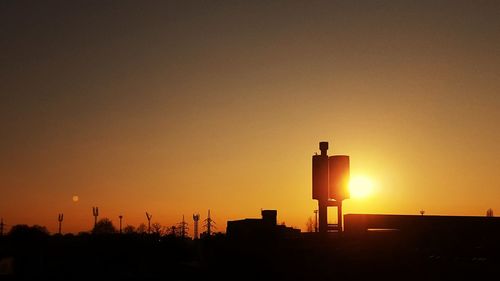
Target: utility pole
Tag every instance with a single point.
(60, 218)
(95, 213)
(315, 220)
(196, 218)
(149, 216)
(209, 224)
(120, 217)
(183, 226)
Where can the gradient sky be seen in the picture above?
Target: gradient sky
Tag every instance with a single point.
(178, 107)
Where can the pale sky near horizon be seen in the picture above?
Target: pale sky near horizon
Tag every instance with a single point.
(177, 107)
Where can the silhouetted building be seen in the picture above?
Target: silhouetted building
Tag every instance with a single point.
(263, 228)
(415, 224)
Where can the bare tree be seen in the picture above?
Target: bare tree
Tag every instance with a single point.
(173, 231)
(142, 228)
(157, 229)
(129, 229)
(310, 225)
(489, 212)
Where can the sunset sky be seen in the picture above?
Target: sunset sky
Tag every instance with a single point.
(180, 107)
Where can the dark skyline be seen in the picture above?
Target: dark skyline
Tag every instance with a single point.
(176, 107)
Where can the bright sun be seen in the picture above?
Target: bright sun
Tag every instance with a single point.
(360, 187)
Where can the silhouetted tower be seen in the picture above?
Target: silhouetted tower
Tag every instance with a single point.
(330, 180)
(1, 226)
(196, 218)
(95, 213)
(209, 224)
(120, 217)
(183, 227)
(422, 212)
(149, 216)
(60, 218)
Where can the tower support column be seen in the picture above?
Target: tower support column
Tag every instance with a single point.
(323, 216)
(339, 216)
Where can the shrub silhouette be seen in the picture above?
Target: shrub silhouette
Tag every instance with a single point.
(129, 229)
(141, 229)
(24, 231)
(104, 226)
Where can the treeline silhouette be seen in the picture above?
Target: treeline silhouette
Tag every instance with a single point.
(104, 253)
(30, 252)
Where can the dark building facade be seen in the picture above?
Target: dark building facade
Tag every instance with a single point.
(414, 225)
(263, 228)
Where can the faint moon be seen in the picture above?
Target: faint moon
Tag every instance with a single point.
(75, 198)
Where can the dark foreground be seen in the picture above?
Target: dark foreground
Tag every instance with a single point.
(374, 255)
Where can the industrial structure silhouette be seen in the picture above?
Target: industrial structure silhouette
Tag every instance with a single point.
(330, 179)
(263, 228)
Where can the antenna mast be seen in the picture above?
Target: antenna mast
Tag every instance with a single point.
(95, 213)
(149, 216)
(184, 228)
(60, 218)
(196, 218)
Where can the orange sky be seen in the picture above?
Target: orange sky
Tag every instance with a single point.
(175, 108)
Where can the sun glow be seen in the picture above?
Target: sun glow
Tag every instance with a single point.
(360, 187)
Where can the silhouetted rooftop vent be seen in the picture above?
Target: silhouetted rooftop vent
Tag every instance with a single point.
(270, 216)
